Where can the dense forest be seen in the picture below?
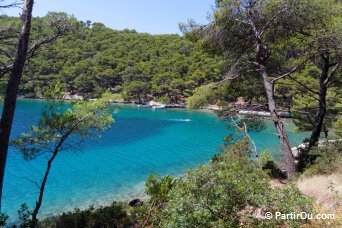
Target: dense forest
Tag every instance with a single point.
(90, 59)
(94, 58)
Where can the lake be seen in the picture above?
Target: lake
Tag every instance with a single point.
(114, 167)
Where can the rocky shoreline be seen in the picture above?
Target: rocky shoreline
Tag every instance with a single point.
(282, 114)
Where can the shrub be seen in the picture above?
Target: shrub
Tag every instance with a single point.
(158, 189)
(24, 215)
(269, 166)
(3, 219)
(222, 103)
(232, 191)
(117, 97)
(112, 216)
(338, 126)
(164, 100)
(328, 159)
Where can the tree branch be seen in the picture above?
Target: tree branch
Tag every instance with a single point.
(15, 4)
(270, 22)
(33, 182)
(5, 69)
(7, 54)
(332, 72)
(294, 69)
(244, 130)
(32, 51)
(306, 87)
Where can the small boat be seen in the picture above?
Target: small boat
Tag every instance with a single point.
(144, 106)
(158, 106)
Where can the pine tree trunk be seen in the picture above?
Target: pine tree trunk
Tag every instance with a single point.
(322, 105)
(283, 138)
(139, 98)
(41, 191)
(13, 88)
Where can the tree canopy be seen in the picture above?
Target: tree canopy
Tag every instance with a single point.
(96, 58)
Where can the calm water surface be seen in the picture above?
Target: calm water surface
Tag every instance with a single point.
(114, 167)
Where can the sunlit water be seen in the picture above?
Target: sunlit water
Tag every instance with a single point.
(115, 166)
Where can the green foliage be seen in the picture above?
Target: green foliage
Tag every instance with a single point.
(250, 122)
(44, 31)
(158, 187)
(95, 58)
(222, 103)
(265, 157)
(137, 89)
(224, 93)
(163, 99)
(319, 81)
(305, 104)
(269, 166)
(288, 33)
(112, 216)
(2, 89)
(24, 216)
(240, 128)
(227, 193)
(202, 96)
(84, 119)
(61, 129)
(117, 97)
(231, 190)
(338, 126)
(3, 219)
(328, 161)
(289, 200)
(236, 146)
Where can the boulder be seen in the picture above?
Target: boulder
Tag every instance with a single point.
(135, 203)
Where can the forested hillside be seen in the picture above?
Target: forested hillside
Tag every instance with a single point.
(95, 58)
(253, 58)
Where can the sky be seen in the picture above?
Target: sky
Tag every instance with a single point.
(151, 16)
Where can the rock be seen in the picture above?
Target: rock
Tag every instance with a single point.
(136, 203)
(213, 107)
(266, 114)
(155, 103)
(240, 101)
(298, 149)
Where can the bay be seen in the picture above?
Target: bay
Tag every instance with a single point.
(114, 167)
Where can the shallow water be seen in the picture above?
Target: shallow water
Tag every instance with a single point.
(114, 167)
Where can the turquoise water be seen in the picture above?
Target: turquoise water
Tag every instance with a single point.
(114, 167)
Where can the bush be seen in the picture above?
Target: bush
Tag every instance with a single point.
(3, 219)
(338, 126)
(328, 159)
(164, 100)
(117, 97)
(202, 96)
(112, 216)
(232, 191)
(158, 189)
(222, 103)
(24, 215)
(269, 166)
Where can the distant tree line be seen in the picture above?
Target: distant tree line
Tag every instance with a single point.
(95, 58)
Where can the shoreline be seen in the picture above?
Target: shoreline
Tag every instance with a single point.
(208, 108)
(137, 192)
